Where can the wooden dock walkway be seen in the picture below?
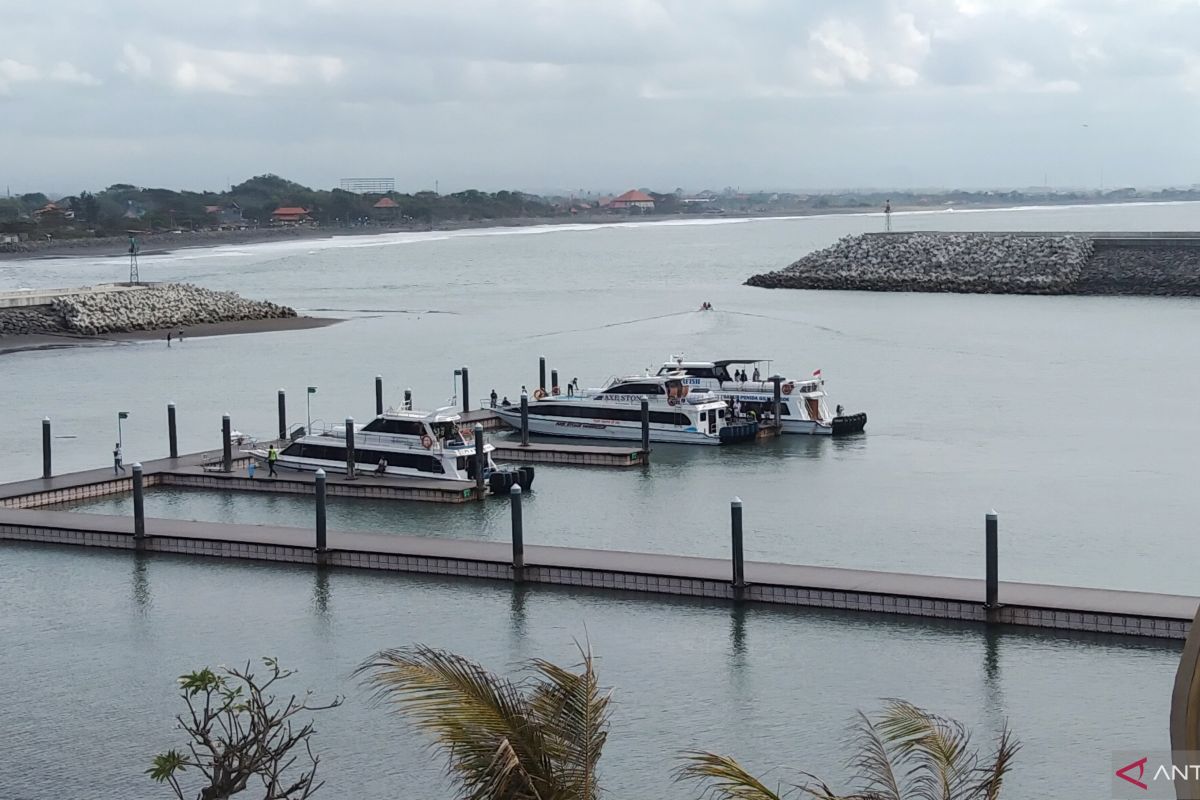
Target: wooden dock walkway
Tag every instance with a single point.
(568, 454)
(1024, 604)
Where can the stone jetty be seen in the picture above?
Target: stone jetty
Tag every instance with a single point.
(1000, 263)
(122, 309)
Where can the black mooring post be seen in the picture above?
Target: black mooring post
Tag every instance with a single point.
(553, 381)
(542, 373)
(320, 487)
(139, 508)
(172, 435)
(226, 444)
(992, 545)
(524, 419)
(739, 564)
(480, 461)
(351, 458)
(645, 430)
(466, 403)
(777, 380)
(46, 467)
(518, 534)
(283, 416)
(378, 395)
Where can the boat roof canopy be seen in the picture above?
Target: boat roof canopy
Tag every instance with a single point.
(445, 414)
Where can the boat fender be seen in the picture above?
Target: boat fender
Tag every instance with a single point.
(788, 387)
(426, 442)
(554, 391)
(672, 400)
(539, 394)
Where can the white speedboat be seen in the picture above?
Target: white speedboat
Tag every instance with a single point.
(414, 444)
(803, 406)
(678, 414)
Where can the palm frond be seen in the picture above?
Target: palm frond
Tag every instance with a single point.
(990, 776)
(874, 762)
(480, 721)
(723, 778)
(572, 713)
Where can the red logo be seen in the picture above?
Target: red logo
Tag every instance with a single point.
(1141, 770)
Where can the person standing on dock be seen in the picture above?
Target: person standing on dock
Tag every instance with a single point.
(118, 467)
(168, 338)
(272, 457)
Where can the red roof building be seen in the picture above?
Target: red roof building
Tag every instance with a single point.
(290, 214)
(386, 202)
(633, 199)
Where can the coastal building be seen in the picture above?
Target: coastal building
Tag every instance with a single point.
(52, 215)
(633, 199)
(385, 208)
(226, 216)
(290, 215)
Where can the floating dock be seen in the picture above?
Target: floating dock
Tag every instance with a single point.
(1023, 604)
(194, 471)
(569, 454)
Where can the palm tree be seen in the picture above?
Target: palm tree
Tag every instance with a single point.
(538, 740)
(906, 754)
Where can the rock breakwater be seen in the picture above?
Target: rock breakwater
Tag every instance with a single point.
(939, 262)
(154, 307)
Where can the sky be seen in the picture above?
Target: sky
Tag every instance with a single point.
(601, 95)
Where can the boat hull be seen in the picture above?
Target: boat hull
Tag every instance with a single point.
(581, 429)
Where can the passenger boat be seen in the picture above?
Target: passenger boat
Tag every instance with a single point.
(803, 406)
(678, 413)
(414, 444)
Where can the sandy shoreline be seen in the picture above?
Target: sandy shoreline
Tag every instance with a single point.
(17, 344)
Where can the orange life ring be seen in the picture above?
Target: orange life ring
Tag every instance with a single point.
(554, 391)
(539, 394)
(788, 387)
(672, 400)
(426, 442)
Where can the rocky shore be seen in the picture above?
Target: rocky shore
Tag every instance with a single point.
(999, 263)
(147, 308)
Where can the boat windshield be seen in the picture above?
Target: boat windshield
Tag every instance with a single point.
(446, 432)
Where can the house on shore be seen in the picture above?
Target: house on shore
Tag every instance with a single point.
(633, 199)
(290, 215)
(227, 216)
(386, 209)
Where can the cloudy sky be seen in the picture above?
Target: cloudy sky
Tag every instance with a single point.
(601, 94)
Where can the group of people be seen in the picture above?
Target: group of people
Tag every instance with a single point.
(179, 337)
(706, 306)
(740, 375)
(756, 413)
(572, 388)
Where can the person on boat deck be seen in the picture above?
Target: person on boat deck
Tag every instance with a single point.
(756, 373)
(737, 409)
(494, 398)
(381, 467)
(505, 402)
(272, 457)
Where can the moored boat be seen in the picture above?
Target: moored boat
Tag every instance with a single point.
(676, 413)
(803, 404)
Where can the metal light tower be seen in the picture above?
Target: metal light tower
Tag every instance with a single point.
(133, 265)
(121, 439)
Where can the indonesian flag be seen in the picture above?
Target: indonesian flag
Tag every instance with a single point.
(816, 373)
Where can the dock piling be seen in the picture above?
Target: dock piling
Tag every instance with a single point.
(172, 436)
(480, 461)
(139, 508)
(46, 470)
(646, 430)
(378, 395)
(466, 403)
(350, 455)
(777, 380)
(992, 546)
(739, 563)
(524, 419)
(408, 399)
(226, 444)
(518, 534)
(283, 416)
(542, 373)
(553, 381)
(320, 489)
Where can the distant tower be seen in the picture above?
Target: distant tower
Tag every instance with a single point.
(133, 265)
(887, 216)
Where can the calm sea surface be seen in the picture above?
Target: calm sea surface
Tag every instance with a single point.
(1073, 417)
